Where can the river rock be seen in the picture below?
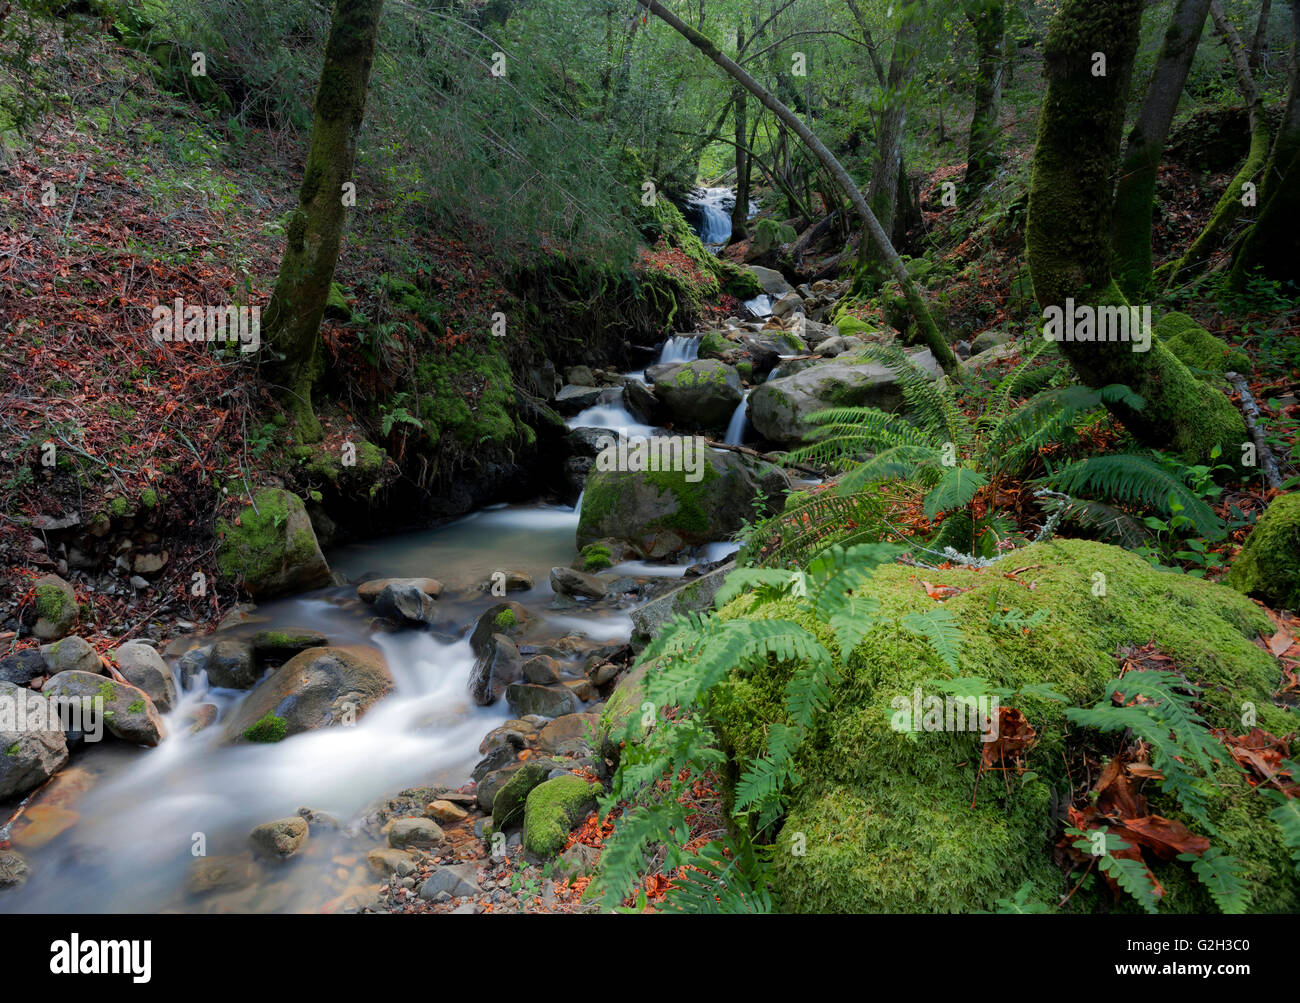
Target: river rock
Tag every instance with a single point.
(780, 407)
(568, 582)
(273, 549)
(693, 596)
(28, 756)
(445, 811)
(13, 869)
(641, 402)
(657, 514)
(838, 345)
(280, 839)
(456, 880)
(386, 861)
(56, 608)
(287, 642)
(421, 833)
(405, 603)
(507, 806)
(231, 665)
(190, 663)
(661, 371)
(772, 281)
(785, 306)
(497, 664)
(569, 728)
(72, 654)
(552, 809)
(22, 667)
(209, 874)
(541, 670)
(588, 441)
(486, 790)
(548, 701)
(370, 591)
(701, 394)
(144, 667)
(317, 688)
(571, 399)
(128, 712)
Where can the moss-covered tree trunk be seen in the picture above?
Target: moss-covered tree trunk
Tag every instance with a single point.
(1068, 228)
(1272, 244)
(1135, 192)
(292, 322)
(988, 18)
(930, 333)
(1230, 205)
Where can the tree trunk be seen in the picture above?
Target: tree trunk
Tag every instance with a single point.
(1068, 229)
(1229, 208)
(925, 322)
(1259, 48)
(740, 214)
(1135, 194)
(293, 317)
(988, 18)
(1273, 243)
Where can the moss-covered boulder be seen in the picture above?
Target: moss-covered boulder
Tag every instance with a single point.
(507, 805)
(883, 821)
(700, 394)
(128, 713)
(551, 811)
(55, 608)
(317, 688)
(1268, 566)
(28, 755)
(273, 548)
(1197, 348)
(658, 513)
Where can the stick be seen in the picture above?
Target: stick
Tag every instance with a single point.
(766, 457)
(1250, 411)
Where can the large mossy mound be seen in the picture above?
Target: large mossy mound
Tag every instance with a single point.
(1197, 348)
(272, 549)
(1269, 564)
(886, 817)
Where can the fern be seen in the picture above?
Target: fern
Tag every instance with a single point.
(1131, 875)
(957, 488)
(1020, 904)
(1221, 875)
(1286, 814)
(725, 876)
(938, 626)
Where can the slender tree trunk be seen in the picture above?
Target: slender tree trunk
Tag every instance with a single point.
(925, 322)
(1068, 229)
(1229, 208)
(1273, 242)
(988, 18)
(740, 214)
(1259, 47)
(293, 317)
(1135, 194)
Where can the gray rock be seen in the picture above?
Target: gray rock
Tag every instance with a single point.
(28, 755)
(700, 394)
(497, 665)
(56, 608)
(455, 880)
(541, 670)
(287, 642)
(144, 667)
(422, 833)
(370, 591)
(22, 667)
(661, 370)
(640, 401)
(772, 281)
(405, 603)
(13, 869)
(280, 839)
(790, 303)
(568, 582)
(129, 714)
(988, 339)
(548, 701)
(231, 665)
(692, 597)
(72, 654)
(191, 663)
(572, 399)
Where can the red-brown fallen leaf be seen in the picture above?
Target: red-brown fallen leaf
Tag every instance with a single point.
(1164, 837)
(1014, 735)
(941, 592)
(1281, 642)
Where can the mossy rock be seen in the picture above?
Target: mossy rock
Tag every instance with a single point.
(769, 234)
(850, 326)
(55, 607)
(1197, 348)
(1268, 566)
(714, 346)
(273, 550)
(551, 811)
(886, 816)
(508, 805)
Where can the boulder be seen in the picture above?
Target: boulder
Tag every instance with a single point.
(144, 668)
(552, 809)
(385, 862)
(1268, 565)
(790, 303)
(370, 591)
(55, 607)
(22, 667)
(456, 880)
(497, 664)
(641, 402)
(286, 643)
(547, 701)
(405, 603)
(693, 596)
(658, 513)
(772, 281)
(567, 582)
(780, 407)
(231, 666)
(573, 399)
(280, 839)
(72, 654)
(32, 744)
(273, 549)
(420, 833)
(317, 688)
(209, 874)
(989, 339)
(508, 803)
(700, 394)
(128, 712)
(569, 728)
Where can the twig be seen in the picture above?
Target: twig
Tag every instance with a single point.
(1250, 411)
(766, 457)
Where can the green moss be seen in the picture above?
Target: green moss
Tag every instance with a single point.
(745, 369)
(118, 507)
(1197, 348)
(268, 729)
(1269, 563)
(850, 326)
(713, 345)
(505, 619)
(136, 707)
(508, 804)
(887, 816)
(256, 550)
(551, 811)
(53, 604)
(106, 692)
(468, 395)
(595, 557)
(148, 498)
(12, 750)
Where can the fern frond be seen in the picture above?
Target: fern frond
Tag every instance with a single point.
(956, 488)
(623, 854)
(1113, 524)
(1286, 814)
(929, 404)
(743, 580)
(724, 877)
(940, 628)
(1221, 875)
(900, 461)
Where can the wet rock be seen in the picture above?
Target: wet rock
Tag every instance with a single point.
(700, 394)
(201, 717)
(55, 607)
(370, 591)
(788, 304)
(13, 869)
(406, 603)
(386, 861)
(507, 806)
(242, 613)
(772, 281)
(587, 441)
(565, 729)
(129, 714)
(231, 665)
(572, 399)
(548, 701)
(280, 839)
(513, 734)
(414, 832)
(210, 874)
(143, 667)
(273, 550)
(22, 667)
(486, 790)
(641, 402)
(661, 371)
(568, 582)
(541, 670)
(495, 759)
(317, 688)
(445, 811)
(691, 597)
(191, 663)
(72, 654)
(28, 755)
(286, 643)
(552, 809)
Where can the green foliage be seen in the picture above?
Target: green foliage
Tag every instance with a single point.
(1131, 875)
(1221, 876)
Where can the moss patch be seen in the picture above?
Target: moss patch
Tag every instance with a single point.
(269, 728)
(1269, 563)
(1197, 348)
(551, 811)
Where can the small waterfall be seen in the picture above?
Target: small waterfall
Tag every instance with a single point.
(739, 422)
(708, 211)
(680, 348)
